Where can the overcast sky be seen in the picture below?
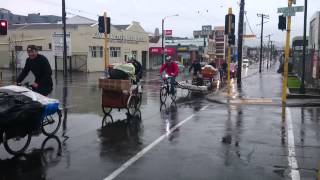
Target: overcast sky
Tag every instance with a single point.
(192, 13)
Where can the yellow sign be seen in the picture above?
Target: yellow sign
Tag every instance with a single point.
(249, 36)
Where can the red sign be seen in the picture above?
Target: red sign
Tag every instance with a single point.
(168, 32)
(158, 51)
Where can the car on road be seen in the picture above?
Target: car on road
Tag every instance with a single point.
(245, 63)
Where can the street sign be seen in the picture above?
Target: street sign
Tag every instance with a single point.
(290, 11)
(168, 32)
(57, 45)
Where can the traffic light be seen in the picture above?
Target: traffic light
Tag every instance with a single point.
(231, 39)
(282, 25)
(101, 25)
(108, 25)
(3, 27)
(232, 23)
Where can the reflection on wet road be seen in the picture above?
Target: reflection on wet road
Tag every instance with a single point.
(189, 139)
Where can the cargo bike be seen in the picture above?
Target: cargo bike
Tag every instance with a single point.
(24, 113)
(120, 94)
(204, 82)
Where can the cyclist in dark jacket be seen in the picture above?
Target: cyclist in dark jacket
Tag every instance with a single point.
(196, 67)
(40, 68)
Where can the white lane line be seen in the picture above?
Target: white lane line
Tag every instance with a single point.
(132, 160)
(293, 163)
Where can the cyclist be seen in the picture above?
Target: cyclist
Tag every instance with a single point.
(172, 69)
(41, 69)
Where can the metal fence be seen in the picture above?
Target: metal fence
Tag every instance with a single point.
(297, 67)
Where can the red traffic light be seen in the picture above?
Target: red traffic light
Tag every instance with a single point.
(3, 27)
(3, 23)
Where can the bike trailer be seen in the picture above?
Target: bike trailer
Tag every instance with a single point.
(25, 105)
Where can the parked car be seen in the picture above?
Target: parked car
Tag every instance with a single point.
(245, 63)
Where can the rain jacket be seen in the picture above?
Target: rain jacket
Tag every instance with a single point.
(172, 69)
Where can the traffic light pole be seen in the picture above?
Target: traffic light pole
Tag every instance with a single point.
(302, 87)
(240, 41)
(286, 60)
(106, 49)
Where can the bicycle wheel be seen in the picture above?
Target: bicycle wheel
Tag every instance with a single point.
(132, 105)
(106, 110)
(139, 100)
(51, 150)
(174, 95)
(16, 145)
(163, 94)
(50, 124)
(107, 118)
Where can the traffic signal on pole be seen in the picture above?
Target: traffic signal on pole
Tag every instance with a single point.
(101, 25)
(231, 39)
(3, 27)
(108, 25)
(282, 25)
(230, 30)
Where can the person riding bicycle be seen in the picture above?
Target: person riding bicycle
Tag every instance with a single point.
(41, 69)
(172, 69)
(196, 67)
(138, 68)
(138, 72)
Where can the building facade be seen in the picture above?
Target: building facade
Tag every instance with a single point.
(314, 45)
(220, 44)
(86, 44)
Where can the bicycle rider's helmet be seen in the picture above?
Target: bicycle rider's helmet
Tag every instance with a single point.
(168, 59)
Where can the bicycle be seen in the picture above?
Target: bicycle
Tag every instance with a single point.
(17, 137)
(165, 89)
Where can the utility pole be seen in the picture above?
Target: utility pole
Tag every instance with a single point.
(268, 49)
(162, 41)
(271, 53)
(64, 38)
(261, 37)
(240, 40)
(302, 86)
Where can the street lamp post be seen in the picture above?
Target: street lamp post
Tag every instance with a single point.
(163, 34)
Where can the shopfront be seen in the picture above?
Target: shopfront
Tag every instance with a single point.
(156, 55)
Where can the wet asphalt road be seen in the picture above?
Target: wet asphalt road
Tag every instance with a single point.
(194, 139)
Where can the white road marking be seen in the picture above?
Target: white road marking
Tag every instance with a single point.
(293, 163)
(132, 160)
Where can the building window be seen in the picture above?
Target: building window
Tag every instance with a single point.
(115, 51)
(96, 51)
(134, 54)
(18, 48)
(50, 46)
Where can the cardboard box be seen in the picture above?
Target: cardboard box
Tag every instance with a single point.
(114, 84)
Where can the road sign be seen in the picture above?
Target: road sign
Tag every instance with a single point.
(57, 45)
(290, 11)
